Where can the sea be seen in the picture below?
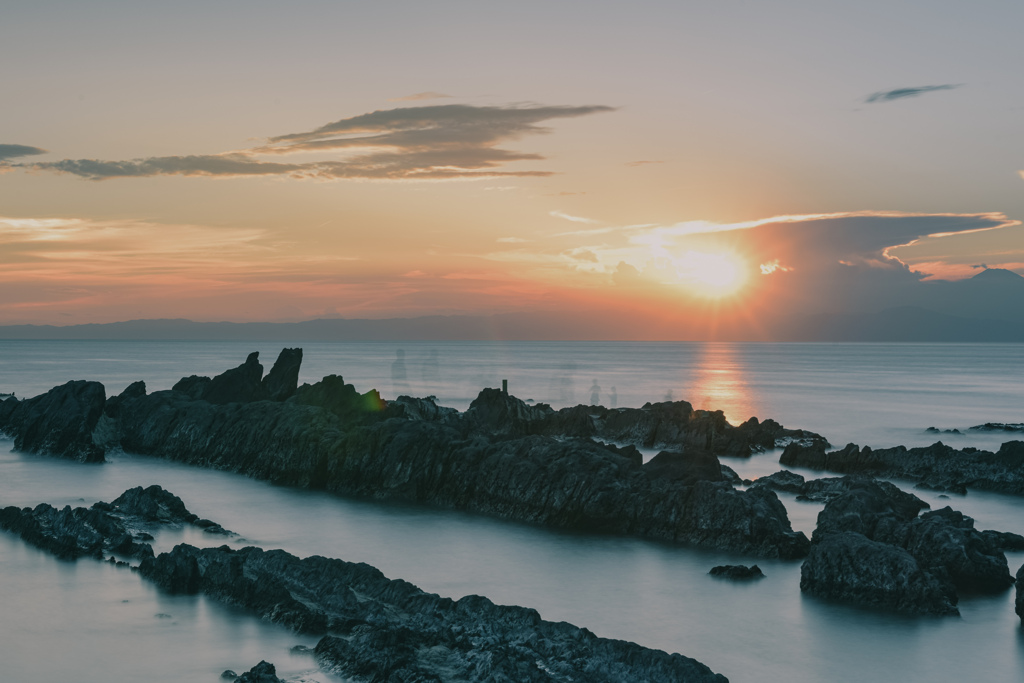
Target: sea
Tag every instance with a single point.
(88, 621)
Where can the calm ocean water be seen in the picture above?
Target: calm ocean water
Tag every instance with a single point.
(88, 621)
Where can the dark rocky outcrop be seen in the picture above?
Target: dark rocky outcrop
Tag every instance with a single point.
(264, 672)
(867, 531)
(193, 386)
(783, 480)
(116, 527)
(282, 380)
(391, 630)
(58, 423)
(380, 629)
(243, 384)
(737, 572)
(848, 567)
(502, 457)
(671, 425)
(876, 509)
(998, 427)
(938, 466)
(1018, 603)
(153, 504)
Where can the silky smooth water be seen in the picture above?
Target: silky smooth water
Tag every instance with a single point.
(64, 621)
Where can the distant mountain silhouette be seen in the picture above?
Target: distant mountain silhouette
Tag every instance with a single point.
(988, 307)
(904, 324)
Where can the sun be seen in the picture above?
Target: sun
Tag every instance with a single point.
(714, 275)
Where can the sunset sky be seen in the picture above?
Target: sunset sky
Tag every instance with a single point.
(252, 161)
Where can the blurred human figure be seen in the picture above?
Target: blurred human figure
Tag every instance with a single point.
(613, 398)
(398, 373)
(668, 396)
(595, 394)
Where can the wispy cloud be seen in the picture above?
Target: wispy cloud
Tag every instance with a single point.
(428, 95)
(15, 151)
(903, 93)
(574, 219)
(440, 142)
(644, 162)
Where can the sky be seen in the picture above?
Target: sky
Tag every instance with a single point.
(695, 163)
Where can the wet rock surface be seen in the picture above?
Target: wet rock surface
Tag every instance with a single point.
(1018, 603)
(872, 547)
(264, 672)
(849, 567)
(783, 480)
(939, 467)
(116, 527)
(737, 572)
(502, 457)
(378, 629)
(58, 423)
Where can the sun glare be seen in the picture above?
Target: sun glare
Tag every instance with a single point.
(712, 274)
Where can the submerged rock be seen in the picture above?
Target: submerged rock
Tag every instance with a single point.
(264, 672)
(737, 572)
(939, 466)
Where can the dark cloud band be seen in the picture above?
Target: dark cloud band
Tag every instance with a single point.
(902, 93)
(15, 151)
(432, 142)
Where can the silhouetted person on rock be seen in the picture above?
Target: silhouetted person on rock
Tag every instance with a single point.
(595, 394)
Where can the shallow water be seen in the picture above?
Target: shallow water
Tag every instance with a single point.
(67, 621)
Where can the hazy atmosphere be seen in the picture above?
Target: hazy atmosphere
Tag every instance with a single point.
(670, 171)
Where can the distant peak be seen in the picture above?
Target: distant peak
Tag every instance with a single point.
(997, 274)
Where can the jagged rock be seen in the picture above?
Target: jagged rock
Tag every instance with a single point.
(783, 480)
(153, 504)
(391, 630)
(238, 385)
(876, 509)
(501, 458)
(282, 380)
(409, 408)
(1004, 540)
(264, 672)
(998, 427)
(737, 572)
(228, 674)
(686, 468)
(495, 412)
(133, 391)
(193, 386)
(945, 543)
(1018, 604)
(945, 546)
(72, 533)
(937, 465)
(381, 629)
(333, 395)
(849, 567)
(59, 422)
